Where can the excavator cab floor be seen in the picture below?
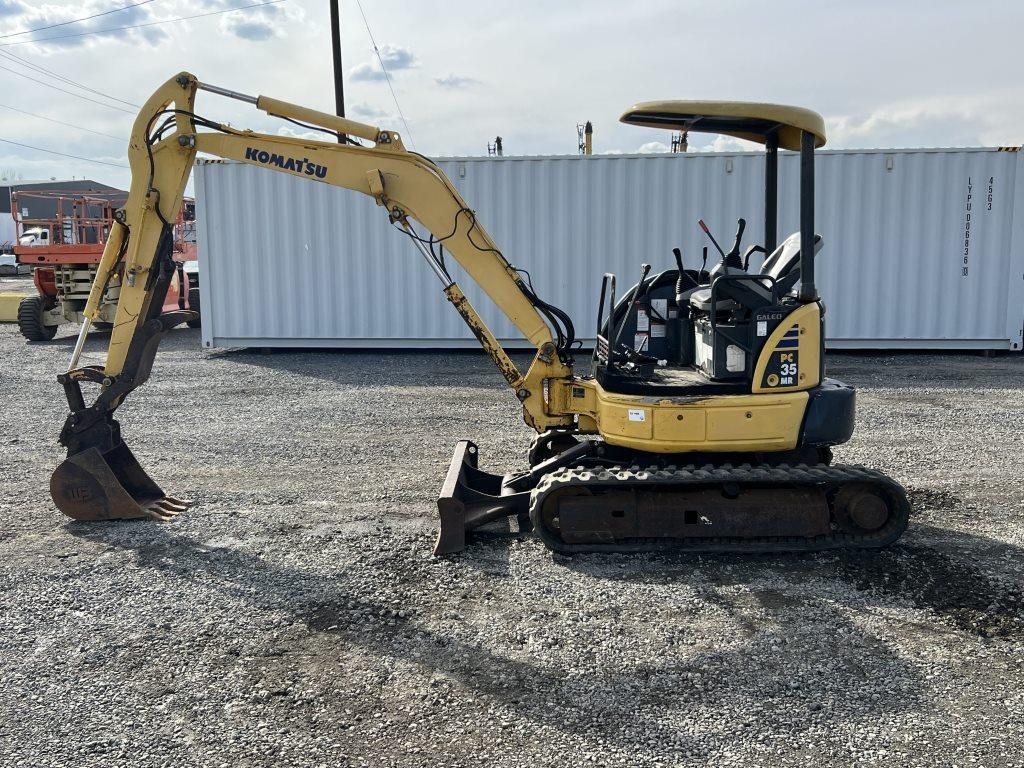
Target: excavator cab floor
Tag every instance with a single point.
(677, 381)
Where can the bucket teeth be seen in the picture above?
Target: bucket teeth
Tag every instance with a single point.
(176, 504)
(164, 509)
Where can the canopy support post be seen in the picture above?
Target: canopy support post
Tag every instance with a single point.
(808, 292)
(771, 192)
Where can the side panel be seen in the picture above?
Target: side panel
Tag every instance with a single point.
(730, 423)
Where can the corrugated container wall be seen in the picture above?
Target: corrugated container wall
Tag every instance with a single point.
(922, 248)
(8, 231)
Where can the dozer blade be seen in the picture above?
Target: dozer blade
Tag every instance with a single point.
(109, 485)
(471, 497)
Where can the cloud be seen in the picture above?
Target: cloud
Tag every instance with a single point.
(395, 58)
(366, 110)
(12, 8)
(952, 122)
(456, 81)
(368, 113)
(366, 72)
(247, 29)
(253, 24)
(652, 147)
(70, 36)
(725, 144)
(291, 133)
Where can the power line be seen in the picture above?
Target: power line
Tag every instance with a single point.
(75, 21)
(387, 77)
(62, 90)
(62, 154)
(139, 26)
(61, 122)
(63, 78)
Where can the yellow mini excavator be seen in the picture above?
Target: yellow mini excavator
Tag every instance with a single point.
(704, 422)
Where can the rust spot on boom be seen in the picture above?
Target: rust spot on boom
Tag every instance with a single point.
(483, 335)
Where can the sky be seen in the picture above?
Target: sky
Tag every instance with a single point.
(883, 74)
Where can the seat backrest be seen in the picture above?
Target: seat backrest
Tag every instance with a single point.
(784, 262)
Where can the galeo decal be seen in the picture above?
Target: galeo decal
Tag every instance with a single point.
(287, 163)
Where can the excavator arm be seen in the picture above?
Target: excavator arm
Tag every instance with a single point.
(101, 479)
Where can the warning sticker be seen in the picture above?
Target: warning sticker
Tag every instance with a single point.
(639, 342)
(643, 320)
(762, 327)
(657, 330)
(637, 414)
(659, 307)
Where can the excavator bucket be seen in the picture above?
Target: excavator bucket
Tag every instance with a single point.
(95, 485)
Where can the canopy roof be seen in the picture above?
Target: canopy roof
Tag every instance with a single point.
(742, 119)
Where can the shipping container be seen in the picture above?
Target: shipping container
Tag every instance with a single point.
(923, 248)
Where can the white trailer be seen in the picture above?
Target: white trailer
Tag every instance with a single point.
(923, 248)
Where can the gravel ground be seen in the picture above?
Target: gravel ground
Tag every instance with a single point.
(293, 616)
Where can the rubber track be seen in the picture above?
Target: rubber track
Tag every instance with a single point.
(745, 475)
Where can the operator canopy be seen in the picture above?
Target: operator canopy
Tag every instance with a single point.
(743, 119)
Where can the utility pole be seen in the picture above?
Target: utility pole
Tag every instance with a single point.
(339, 82)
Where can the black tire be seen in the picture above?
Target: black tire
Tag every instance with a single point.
(30, 318)
(193, 304)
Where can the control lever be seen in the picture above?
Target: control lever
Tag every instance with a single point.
(702, 225)
(683, 280)
(734, 252)
(645, 270)
(704, 264)
(679, 259)
(730, 260)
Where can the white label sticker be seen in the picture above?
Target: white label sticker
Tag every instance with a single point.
(643, 321)
(657, 330)
(660, 307)
(762, 327)
(639, 342)
(637, 414)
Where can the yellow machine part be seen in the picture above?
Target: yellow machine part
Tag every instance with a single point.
(767, 420)
(9, 306)
(742, 423)
(803, 360)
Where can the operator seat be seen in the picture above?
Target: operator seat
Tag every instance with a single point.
(783, 265)
(683, 296)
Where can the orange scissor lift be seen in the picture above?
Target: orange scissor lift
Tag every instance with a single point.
(64, 250)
